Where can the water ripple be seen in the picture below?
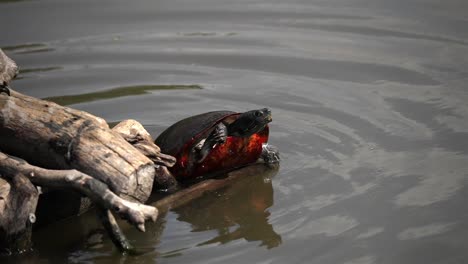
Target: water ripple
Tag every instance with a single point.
(375, 32)
(424, 231)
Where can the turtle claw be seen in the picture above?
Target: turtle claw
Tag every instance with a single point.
(199, 146)
(270, 154)
(204, 147)
(4, 89)
(220, 134)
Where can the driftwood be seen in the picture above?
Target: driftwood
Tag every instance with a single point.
(99, 192)
(80, 152)
(135, 213)
(56, 137)
(134, 133)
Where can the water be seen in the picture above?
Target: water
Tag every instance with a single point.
(369, 107)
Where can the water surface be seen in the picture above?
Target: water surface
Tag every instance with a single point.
(369, 107)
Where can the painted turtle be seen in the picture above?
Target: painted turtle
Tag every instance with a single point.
(217, 141)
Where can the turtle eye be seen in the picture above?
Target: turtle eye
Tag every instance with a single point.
(258, 113)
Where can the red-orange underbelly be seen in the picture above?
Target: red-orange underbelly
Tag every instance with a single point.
(235, 152)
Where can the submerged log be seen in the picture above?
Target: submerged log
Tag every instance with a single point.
(196, 190)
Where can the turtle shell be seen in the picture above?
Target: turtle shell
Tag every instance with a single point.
(179, 139)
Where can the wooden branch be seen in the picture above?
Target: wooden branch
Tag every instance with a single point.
(134, 133)
(113, 229)
(56, 137)
(18, 201)
(135, 213)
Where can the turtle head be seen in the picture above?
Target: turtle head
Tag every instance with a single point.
(250, 122)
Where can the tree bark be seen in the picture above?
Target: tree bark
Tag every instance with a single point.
(80, 153)
(56, 137)
(134, 133)
(18, 200)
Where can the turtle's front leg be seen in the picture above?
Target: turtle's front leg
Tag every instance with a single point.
(4, 89)
(270, 154)
(217, 136)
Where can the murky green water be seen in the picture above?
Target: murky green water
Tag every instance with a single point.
(369, 101)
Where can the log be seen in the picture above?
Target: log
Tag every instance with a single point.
(56, 137)
(77, 150)
(134, 133)
(18, 200)
(107, 201)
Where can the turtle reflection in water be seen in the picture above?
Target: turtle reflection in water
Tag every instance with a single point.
(239, 211)
(218, 141)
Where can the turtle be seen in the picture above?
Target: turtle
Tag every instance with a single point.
(218, 141)
(8, 71)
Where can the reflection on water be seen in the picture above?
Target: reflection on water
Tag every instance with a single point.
(7, 1)
(24, 47)
(115, 93)
(43, 69)
(238, 212)
(374, 32)
(424, 231)
(200, 34)
(370, 232)
(329, 226)
(28, 48)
